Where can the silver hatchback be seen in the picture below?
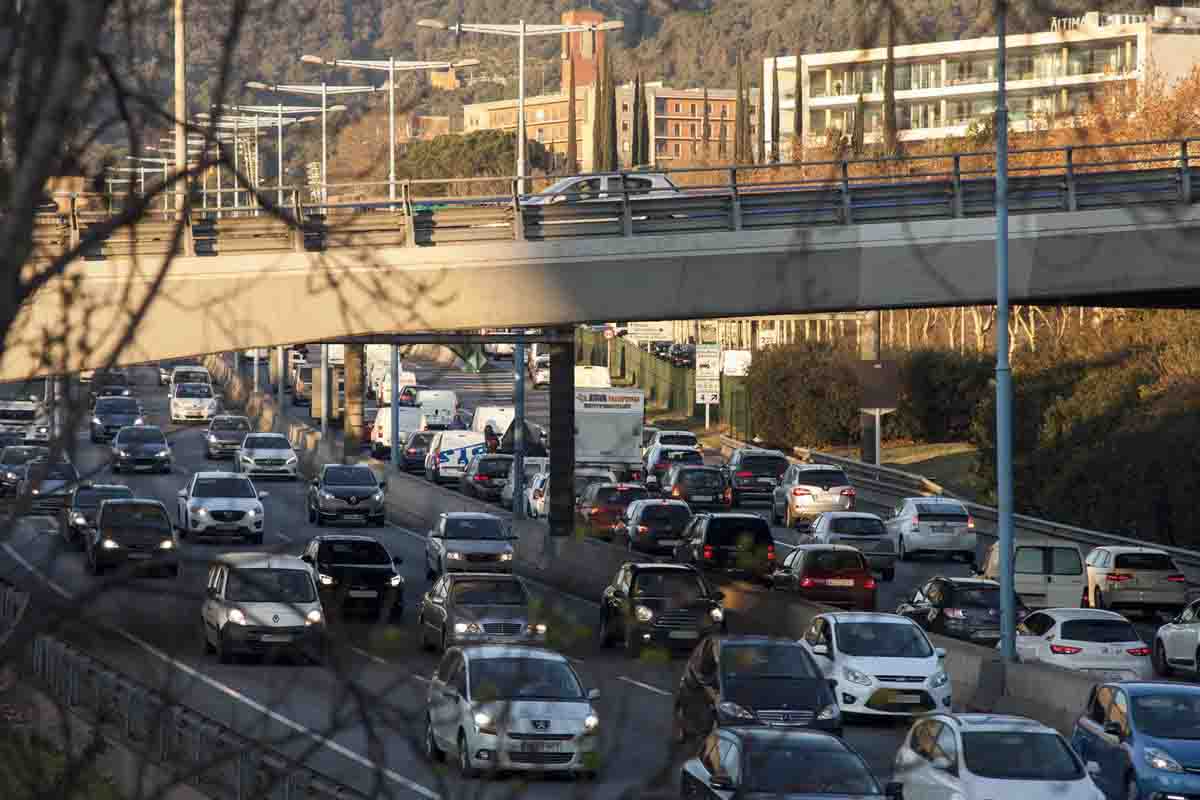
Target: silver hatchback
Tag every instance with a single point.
(478, 608)
(807, 490)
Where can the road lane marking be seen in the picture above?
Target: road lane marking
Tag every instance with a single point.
(230, 692)
(645, 686)
(369, 656)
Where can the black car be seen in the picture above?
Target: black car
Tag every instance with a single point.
(753, 473)
(753, 680)
(961, 608)
(667, 605)
(225, 435)
(13, 460)
(110, 414)
(85, 503)
(137, 532)
(736, 543)
(697, 485)
(485, 477)
(142, 447)
(110, 384)
(653, 526)
(601, 507)
(412, 458)
(356, 573)
(48, 486)
(765, 763)
(347, 493)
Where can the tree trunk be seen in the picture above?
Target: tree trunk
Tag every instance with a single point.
(908, 329)
(775, 110)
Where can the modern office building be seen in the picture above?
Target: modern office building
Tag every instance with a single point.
(943, 87)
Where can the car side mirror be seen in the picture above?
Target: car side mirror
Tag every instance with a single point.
(211, 591)
(1113, 728)
(182, 493)
(593, 694)
(894, 790)
(263, 495)
(940, 652)
(976, 569)
(306, 558)
(722, 783)
(942, 763)
(821, 650)
(397, 560)
(833, 683)
(1093, 769)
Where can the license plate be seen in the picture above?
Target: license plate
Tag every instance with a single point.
(683, 635)
(839, 582)
(986, 634)
(906, 698)
(541, 747)
(137, 556)
(767, 480)
(501, 482)
(364, 593)
(668, 542)
(942, 529)
(354, 516)
(229, 527)
(277, 638)
(702, 498)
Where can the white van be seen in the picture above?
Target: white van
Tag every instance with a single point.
(440, 405)
(1048, 573)
(449, 454)
(383, 385)
(591, 377)
(499, 417)
(411, 421)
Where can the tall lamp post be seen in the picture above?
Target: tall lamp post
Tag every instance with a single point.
(520, 32)
(280, 122)
(235, 127)
(391, 66)
(279, 110)
(323, 90)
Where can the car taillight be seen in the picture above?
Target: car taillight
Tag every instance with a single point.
(675, 492)
(954, 613)
(1118, 577)
(708, 552)
(1138, 651)
(636, 475)
(868, 583)
(412, 451)
(481, 478)
(807, 583)
(642, 529)
(1064, 649)
(916, 520)
(849, 492)
(537, 494)
(745, 474)
(594, 510)
(970, 523)
(800, 492)
(770, 552)
(1177, 578)
(728, 496)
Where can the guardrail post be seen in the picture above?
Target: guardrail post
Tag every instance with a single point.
(958, 193)
(626, 211)
(847, 212)
(735, 202)
(1185, 173)
(298, 226)
(410, 229)
(1072, 200)
(73, 221)
(518, 216)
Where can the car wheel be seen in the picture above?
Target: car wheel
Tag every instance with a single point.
(464, 758)
(208, 649)
(432, 751)
(1097, 598)
(889, 574)
(678, 727)
(1159, 661)
(633, 647)
(1131, 787)
(904, 556)
(223, 654)
(605, 633)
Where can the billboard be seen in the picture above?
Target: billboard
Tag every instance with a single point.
(609, 401)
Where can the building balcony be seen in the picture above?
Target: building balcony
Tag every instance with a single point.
(972, 89)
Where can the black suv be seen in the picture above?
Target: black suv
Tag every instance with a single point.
(653, 526)
(485, 477)
(84, 505)
(667, 605)
(356, 573)
(14, 460)
(137, 532)
(961, 608)
(754, 473)
(347, 493)
(735, 543)
(753, 680)
(697, 485)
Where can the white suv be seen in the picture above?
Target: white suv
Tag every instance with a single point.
(884, 664)
(221, 504)
(193, 402)
(268, 454)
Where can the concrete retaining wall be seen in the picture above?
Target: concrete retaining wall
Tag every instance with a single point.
(583, 568)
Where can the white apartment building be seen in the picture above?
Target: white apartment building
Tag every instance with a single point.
(943, 87)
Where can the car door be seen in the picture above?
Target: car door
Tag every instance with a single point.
(434, 610)
(1030, 633)
(785, 576)
(1029, 574)
(441, 697)
(434, 545)
(181, 503)
(1182, 637)
(895, 524)
(1064, 577)
(216, 601)
(699, 771)
(206, 611)
(1088, 731)
(615, 600)
(820, 644)
(916, 607)
(913, 768)
(779, 493)
(1111, 750)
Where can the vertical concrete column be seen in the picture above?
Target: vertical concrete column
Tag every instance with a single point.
(352, 414)
(281, 381)
(237, 363)
(256, 368)
(868, 351)
(562, 438)
(394, 407)
(326, 394)
(518, 487)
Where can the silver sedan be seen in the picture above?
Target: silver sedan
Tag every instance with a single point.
(478, 608)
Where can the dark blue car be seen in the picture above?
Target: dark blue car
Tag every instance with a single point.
(1145, 737)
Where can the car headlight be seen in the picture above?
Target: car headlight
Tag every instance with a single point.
(292, 460)
(326, 580)
(377, 497)
(247, 458)
(396, 580)
(829, 712)
(467, 627)
(484, 722)
(506, 556)
(854, 676)
(732, 710)
(538, 629)
(1159, 759)
(79, 519)
(109, 544)
(166, 544)
(124, 393)
(454, 556)
(256, 512)
(37, 491)
(199, 511)
(122, 453)
(591, 723)
(326, 495)
(212, 438)
(236, 616)
(717, 615)
(97, 421)
(313, 617)
(12, 476)
(139, 421)
(643, 614)
(162, 453)
(939, 679)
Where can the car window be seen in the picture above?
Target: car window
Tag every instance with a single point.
(682, 587)
(883, 640)
(619, 495)
(764, 465)
(798, 771)
(1029, 561)
(271, 585)
(116, 405)
(1098, 630)
(521, 678)
(944, 512)
(710, 754)
(446, 668)
(724, 531)
(349, 476)
(824, 478)
(746, 661)
(1098, 707)
(230, 425)
(682, 439)
(791, 559)
(1020, 755)
(142, 516)
(701, 478)
(353, 551)
(933, 592)
(92, 497)
(923, 739)
(1036, 624)
(1065, 561)
(494, 467)
(458, 678)
(674, 514)
(193, 391)
(223, 487)
(1189, 613)
(977, 596)
(146, 435)
(489, 592)
(834, 561)
(42, 471)
(946, 746)
(1153, 561)
(1168, 714)
(731, 759)
(473, 528)
(266, 443)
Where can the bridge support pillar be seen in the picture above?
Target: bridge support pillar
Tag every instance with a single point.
(281, 381)
(352, 414)
(868, 343)
(562, 439)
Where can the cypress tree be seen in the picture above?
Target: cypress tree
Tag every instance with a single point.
(797, 117)
(635, 144)
(739, 144)
(858, 136)
(612, 156)
(891, 135)
(775, 110)
(723, 139)
(598, 126)
(706, 130)
(572, 125)
(644, 155)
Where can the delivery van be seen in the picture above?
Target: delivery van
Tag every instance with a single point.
(411, 421)
(440, 405)
(498, 417)
(1047, 572)
(449, 454)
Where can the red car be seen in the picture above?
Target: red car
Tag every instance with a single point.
(834, 574)
(602, 506)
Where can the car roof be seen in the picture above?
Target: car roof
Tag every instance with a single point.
(759, 451)
(221, 474)
(965, 581)
(503, 576)
(658, 501)
(982, 722)
(1144, 687)
(658, 566)
(868, 616)
(484, 651)
(937, 501)
(1064, 614)
(673, 432)
(347, 466)
(134, 501)
(733, 515)
(849, 515)
(261, 561)
(345, 537)
(818, 546)
(818, 741)
(468, 515)
(745, 638)
(1123, 549)
(818, 467)
(103, 486)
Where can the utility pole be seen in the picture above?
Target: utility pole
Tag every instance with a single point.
(181, 112)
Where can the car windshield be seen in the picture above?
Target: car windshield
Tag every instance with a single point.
(191, 376)
(763, 465)
(18, 414)
(724, 531)
(114, 379)
(489, 592)
(681, 587)
(421, 439)
(116, 405)
(519, 678)
(92, 497)
(266, 443)
(676, 515)
(474, 528)
(1168, 715)
(142, 436)
(948, 512)
(349, 476)
(824, 478)
(700, 478)
(977, 596)
(533, 467)
(620, 495)
(353, 552)
(21, 455)
(882, 640)
(1153, 561)
(270, 585)
(1099, 630)
(223, 487)
(41, 471)
(494, 467)
(857, 526)
(230, 424)
(834, 561)
(143, 516)
(1020, 756)
(193, 390)
(682, 439)
(768, 660)
(784, 770)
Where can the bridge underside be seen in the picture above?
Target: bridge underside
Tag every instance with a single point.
(1140, 256)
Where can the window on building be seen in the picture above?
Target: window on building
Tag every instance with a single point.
(692, 130)
(660, 127)
(540, 115)
(816, 121)
(677, 108)
(624, 108)
(675, 128)
(540, 134)
(660, 105)
(677, 149)
(660, 147)
(625, 126)
(693, 111)
(724, 111)
(625, 145)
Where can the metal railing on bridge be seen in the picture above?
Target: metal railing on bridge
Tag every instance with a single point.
(441, 212)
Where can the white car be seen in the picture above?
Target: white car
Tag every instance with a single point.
(1100, 643)
(221, 504)
(268, 454)
(1177, 644)
(933, 525)
(193, 402)
(258, 603)
(884, 664)
(534, 466)
(499, 707)
(863, 531)
(674, 439)
(990, 756)
(537, 496)
(539, 371)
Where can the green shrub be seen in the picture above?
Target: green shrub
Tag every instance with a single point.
(804, 394)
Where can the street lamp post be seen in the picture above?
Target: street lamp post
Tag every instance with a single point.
(520, 31)
(280, 122)
(391, 66)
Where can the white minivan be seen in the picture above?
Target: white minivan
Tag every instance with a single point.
(439, 405)
(1048, 572)
(498, 417)
(383, 384)
(449, 454)
(411, 421)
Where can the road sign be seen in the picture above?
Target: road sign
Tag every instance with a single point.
(708, 374)
(708, 391)
(652, 331)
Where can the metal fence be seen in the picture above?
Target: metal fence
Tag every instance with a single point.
(667, 387)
